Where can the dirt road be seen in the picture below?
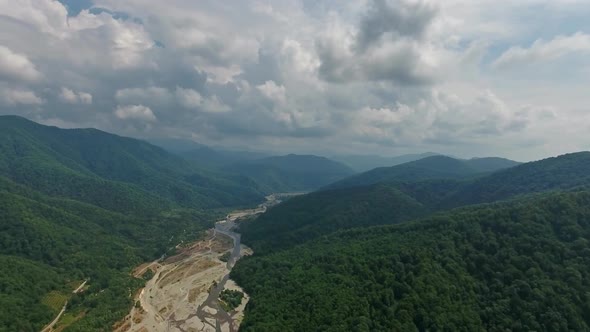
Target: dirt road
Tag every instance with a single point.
(49, 327)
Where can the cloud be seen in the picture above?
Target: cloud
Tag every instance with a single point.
(150, 96)
(381, 76)
(188, 98)
(214, 105)
(13, 97)
(394, 20)
(17, 66)
(273, 92)
(70, 97)
(135, 112)
(388, 45)
(542, 51)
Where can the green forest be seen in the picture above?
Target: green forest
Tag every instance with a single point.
(81, 205)
(427, 255)
(518, 266)
(438, 244)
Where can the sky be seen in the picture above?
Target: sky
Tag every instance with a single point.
(468, 78)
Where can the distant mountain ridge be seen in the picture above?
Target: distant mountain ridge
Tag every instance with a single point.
(434, 167)
(363, 163)
(306, 217)
(106, 169)
(206, 156)
(292, 172)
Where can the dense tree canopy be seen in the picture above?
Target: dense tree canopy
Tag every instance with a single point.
(517, 266)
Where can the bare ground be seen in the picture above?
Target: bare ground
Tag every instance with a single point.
(180, 284)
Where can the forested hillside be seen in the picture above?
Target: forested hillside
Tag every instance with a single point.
(306, 217)
(112, 172)
(316, 214)
(292, 172)
(50, 245)
(563, 172)
(434, 167)
(81, 205)
(363, 163)
(519, 266)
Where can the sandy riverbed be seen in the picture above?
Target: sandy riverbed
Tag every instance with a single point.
(180, 285)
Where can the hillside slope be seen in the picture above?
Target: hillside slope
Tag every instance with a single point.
(82, 204)
(562, 172)
(363, 163)
(51, 243)
(320, 213)
(518, 266)
(306, 217)
(110, 171)
(435, 167)
(292, 172)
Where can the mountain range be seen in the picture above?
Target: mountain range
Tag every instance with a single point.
(455, 249)
(436, 243)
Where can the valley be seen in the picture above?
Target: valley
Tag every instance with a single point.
(183, 292)
(101, 232)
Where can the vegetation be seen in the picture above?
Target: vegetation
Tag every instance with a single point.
(225, 257)
(292, 172)
(558, 173)
(320, 213)
(522, 264)
(230, 299)
(306, 217)
(434, 167)
(45, 244)
(84, 204)
(516, 266)
(112, 172)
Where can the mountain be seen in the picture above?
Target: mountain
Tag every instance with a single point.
(292, 172)
(562, 172)
(49, 245)
(317, 214)
(82, 204)
(110, 171)
(435, 167)
(306, 217)
(490, 164)
(205, 156)
(177, 146)
(363, 163)
(514, 266)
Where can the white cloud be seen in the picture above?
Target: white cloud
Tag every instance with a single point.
(541, 50)
(307, 75)
(17, 66)
(13, 97)
(70, 97)
(272, 91)
(135, 112)
(47, 16)
(188, 98)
